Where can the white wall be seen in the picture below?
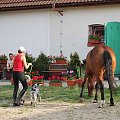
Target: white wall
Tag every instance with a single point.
(75, 27)
(39, 30)
(24, 28)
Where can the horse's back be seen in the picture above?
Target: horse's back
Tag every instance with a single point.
(95, 60)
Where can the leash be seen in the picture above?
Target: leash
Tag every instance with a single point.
(28, 76)
(31, 68)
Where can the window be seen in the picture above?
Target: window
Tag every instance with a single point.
(96, 34)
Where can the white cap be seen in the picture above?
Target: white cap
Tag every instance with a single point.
(22, 49)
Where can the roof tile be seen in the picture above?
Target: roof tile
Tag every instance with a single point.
(27, 3)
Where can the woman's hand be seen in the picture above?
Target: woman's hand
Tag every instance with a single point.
(30, 64)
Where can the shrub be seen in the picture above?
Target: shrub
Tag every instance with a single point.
(74, 62)
(29, 59)
(41, 63)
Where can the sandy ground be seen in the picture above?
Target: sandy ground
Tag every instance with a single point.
(60, 111)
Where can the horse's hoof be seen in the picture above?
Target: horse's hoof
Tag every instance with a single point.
(102, 104)
(81, 100)
(112, 104)
(90, 95)
(95, 101)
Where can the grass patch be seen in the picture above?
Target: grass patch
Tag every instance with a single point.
(52, 94)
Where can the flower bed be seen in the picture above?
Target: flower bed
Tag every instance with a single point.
(57, 59)
(55, 81)
(38, 80)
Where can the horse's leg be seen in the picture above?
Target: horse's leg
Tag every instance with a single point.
(111, 89)
(102, 104)
(96, 93)
(90, 86)
(83, 84)
(111, 97)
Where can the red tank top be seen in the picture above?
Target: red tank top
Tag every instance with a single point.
(18, 63)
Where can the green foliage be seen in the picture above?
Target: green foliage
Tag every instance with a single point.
(74, 61)
(71, 78)
(29, 59)
(3, 57)
(55, 81)
(95, 37)
(60, 58)
(60, 94)
(41, 63)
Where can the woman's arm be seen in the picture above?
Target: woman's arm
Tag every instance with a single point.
(25, 63)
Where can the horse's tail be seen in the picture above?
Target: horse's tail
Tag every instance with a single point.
(108, 67)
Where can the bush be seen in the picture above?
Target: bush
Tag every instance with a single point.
(74, 62)
(41, 63)
(29, 59)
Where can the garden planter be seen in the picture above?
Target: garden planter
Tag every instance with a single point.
(12, 82)
(29, 83)
(41, 83)
(55, 84)
(60, 61)
(94, 41)
(3, 61)
(79, 82)
(71, 83)
(64, 78)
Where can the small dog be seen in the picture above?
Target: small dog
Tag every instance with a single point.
(35, 94)
(28, 78)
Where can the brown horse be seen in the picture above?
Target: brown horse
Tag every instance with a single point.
(100, 62)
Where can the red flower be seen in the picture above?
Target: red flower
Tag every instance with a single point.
(49, 78)
(37, 72)
(35, 78)
(40, 77)
(32, 73)
(53, 77)
(58, 78)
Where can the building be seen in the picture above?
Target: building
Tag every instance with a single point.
(52, 26)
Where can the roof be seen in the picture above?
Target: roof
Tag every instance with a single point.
(35, 4)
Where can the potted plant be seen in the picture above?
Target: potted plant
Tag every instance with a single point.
(61, 59)
(79, 81)
(71, 81)
(94, 39)
(37, 78)
(3, 59)
(55, 81)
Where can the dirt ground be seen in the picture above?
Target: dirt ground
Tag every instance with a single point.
(60, 111)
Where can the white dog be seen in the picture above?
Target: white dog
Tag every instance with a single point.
(35, 94)
(28, 78)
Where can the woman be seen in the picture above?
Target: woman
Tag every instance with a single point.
(19, 63)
